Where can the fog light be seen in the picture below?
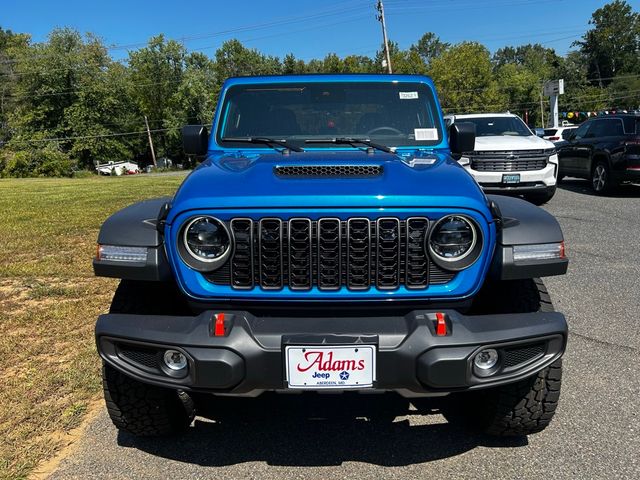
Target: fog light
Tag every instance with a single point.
(486, 362)
(175, 360)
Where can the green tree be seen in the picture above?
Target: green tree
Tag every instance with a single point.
(429, 47)
(464, 78)
(612, 46)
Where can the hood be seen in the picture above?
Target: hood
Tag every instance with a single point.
(508, 142)
(254, 179)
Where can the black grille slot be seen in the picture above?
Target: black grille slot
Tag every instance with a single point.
(388, 253)
(417, 263)
(329, 253)
(300, 257)
(242, 274)
(520, 355)
(516, 161)
(271, 250)
(146, 357)
(308, 171)
(358, 253)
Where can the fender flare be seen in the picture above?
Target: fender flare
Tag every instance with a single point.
(522, 223)
(136, 226)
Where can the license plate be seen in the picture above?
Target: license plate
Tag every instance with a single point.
(511, 178)
(331, 367)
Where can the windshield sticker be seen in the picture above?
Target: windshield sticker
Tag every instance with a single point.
(408, 95)
(425, 134)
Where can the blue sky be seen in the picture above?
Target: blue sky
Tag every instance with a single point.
(306, 28)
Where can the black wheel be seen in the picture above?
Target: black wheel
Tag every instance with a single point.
(542, 197)
(520, 408)
(601, 178)
(133, 406)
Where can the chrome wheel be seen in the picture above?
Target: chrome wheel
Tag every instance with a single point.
(599, 180)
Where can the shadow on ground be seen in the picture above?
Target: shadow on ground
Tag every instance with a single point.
(316, 430)
(626, 190)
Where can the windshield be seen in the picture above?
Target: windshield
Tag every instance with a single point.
(490, 126)
(391, 114)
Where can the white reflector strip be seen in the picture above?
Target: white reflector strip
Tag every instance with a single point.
(115, 253)
(541, 251)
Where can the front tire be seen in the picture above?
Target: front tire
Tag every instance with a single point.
(520, 408)
(135, 407)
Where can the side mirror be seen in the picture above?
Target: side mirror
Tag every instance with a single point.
(195, 139)
(462, 137)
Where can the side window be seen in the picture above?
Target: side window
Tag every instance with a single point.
(612, 128)
(582, 130)
(567, 133)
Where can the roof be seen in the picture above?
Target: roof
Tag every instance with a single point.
(329, 77)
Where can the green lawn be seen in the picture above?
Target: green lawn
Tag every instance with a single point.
(49, 300)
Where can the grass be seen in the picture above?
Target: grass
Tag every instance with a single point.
(49, 300)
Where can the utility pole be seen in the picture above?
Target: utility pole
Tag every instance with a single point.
(153, 152)
(380, 8)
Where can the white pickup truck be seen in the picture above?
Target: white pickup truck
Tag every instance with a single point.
(509, 158)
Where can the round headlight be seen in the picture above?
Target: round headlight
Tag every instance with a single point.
(454, 242)
(207, 243)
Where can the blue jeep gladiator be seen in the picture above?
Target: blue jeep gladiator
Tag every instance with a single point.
(329, 240)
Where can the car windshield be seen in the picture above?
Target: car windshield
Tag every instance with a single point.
(391, 114)
(491, 126)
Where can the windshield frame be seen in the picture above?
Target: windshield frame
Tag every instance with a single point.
(428, 95)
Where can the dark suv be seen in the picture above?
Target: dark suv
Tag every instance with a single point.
(605, 150)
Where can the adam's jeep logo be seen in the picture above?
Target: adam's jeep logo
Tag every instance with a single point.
(328, 364)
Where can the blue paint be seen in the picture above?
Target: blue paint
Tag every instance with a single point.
(416, 181)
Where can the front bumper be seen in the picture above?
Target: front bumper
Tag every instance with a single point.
(249, 358)
(530, 180)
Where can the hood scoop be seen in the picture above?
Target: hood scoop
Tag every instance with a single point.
(325, 171)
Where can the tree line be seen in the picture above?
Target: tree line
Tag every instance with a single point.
(66, 103)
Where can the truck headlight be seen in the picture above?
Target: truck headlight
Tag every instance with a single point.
(206, 243)
(455, 242)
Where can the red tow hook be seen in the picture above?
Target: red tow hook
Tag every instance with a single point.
(441, 325)
(218, 325)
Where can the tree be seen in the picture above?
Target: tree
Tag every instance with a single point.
(429, 47)
(464, 78)
(612, 46)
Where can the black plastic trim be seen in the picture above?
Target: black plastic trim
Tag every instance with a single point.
(410, 356)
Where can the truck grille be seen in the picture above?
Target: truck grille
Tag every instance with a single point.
(329, 253)
(515, 161)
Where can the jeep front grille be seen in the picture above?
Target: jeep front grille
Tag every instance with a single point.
(515, 161)
(330, 253)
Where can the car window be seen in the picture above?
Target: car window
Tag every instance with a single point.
(393, 114)
(609, 127)
(497, 126)
(582, 130)
(550, 132)
(566, 133)
(632, 125)
(612, 128)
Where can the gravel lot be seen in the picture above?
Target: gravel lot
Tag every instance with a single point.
(595, 434)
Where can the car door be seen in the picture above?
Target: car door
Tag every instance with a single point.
(568, 153)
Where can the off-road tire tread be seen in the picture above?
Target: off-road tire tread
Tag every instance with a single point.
(145, 410)
(520, 408)
(135, 407)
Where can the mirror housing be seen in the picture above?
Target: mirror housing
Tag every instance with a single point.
(462, 137)
(195, 139)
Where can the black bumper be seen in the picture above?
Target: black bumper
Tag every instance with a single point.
(518, 189)
(411, 358)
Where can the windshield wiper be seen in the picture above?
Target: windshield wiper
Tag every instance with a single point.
(354, 142)
(264, 140)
